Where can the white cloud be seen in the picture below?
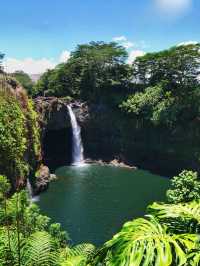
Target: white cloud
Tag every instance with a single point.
(123, 40)
(187, 43)
(134, 54)
(173, 7)
(120, 39)
(34, 66)
(127, 45)
(28, 65)
(65, 55)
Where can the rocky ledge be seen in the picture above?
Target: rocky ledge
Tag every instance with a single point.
(43, 178)
(53, 112)
(114, 162)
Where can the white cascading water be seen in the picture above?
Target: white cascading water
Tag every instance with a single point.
(30, 192)
(77, 146)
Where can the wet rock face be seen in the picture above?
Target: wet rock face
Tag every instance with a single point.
(53, 113)
(108, 133)
(56, 128)
(82, 112)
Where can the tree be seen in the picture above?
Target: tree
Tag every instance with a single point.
(169, 91)
(24, 80)
(92, 71)
(178, 65)
(154, 104)
(1, 58)
(100, 66)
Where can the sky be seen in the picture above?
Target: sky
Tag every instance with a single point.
(38, 34)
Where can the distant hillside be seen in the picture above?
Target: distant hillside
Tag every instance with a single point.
(35, 77)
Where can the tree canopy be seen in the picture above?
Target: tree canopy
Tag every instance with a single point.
(179, 66)
(25, 80)
(91, 70)
(169, 91)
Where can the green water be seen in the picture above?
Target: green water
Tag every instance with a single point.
(93, 202)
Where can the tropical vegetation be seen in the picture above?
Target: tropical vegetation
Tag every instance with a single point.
(159, 97)
(168, 235)
(25, 80)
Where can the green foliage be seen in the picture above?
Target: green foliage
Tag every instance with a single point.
(24, 80)
(35, 250)
(154, 104)
(194, 258)
(12, 138)
(180, 218)
(19, 132)
(28, 239)
(78, 255)
(60, 237)
(33, 135)
(93, 70)
(178, 65)
(184, 187)
(1, 58)
(39, 250)
(169, 93)
(158, 105)
(4, 187)
(168, 237)
(145, 242)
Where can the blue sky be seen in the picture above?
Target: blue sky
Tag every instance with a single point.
(36, 35)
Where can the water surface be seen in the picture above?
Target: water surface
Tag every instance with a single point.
(93, 202)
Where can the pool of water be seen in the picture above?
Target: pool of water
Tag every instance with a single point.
(92, 202)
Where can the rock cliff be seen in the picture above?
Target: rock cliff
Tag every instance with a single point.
(108, 133)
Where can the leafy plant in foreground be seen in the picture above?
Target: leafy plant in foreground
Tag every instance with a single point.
(77, 255)
(28, 239)
(145, 242)
(180, 218)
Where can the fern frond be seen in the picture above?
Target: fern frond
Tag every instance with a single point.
(84, 249)
(39, 251)
(77, 255)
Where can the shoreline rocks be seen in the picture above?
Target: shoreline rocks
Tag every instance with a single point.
(121, 164)
(114, 162)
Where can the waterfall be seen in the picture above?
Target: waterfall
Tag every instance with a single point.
(30, 192)
(77, 146)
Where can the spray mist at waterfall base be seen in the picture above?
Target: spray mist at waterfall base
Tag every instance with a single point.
(31, 196)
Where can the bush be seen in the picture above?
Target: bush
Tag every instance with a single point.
(184, 188)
